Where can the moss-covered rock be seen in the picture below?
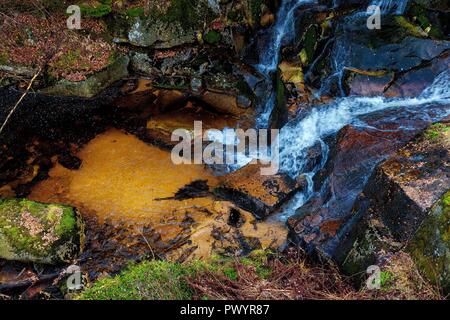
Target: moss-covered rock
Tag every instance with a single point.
(37, 232)
(430, 247)
(171, 25)
(97, 9)
(93, 85)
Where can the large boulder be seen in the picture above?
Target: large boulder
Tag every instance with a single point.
(181, 22)
(320, 223)
(95, 83)
(37, 232)
(404, 206)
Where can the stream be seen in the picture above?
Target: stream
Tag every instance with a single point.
(362, 96)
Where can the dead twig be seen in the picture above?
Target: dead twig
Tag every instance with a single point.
(19, 101)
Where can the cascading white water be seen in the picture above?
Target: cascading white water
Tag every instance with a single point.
(268, 61)
(298, 136)
(283, 30)
(397, 7)
(214, 5)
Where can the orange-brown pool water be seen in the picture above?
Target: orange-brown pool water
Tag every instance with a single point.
(122, 177)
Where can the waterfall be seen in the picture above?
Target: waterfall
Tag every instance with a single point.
(268, 60)
(397, 7)
(281, 31)
(298, 136)
(214, 5)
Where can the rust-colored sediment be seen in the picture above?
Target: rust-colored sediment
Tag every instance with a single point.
(122, 177)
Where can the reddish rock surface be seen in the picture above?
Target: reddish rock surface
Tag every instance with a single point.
(258, 194)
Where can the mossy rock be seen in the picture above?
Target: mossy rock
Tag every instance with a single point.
(430, 247)
(37, 232)
(173, 25)
(95, 83)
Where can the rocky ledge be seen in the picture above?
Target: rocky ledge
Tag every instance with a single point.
(405, 206)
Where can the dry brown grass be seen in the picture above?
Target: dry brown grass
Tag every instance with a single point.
(294, 277)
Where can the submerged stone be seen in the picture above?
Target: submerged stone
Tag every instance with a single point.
(37, 232)
(256, 193)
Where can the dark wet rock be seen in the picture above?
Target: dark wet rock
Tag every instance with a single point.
(235, 219)
(70, 161)
(412, 181)
(366, 62)
(413, 82)
(196, 189)
(368, 86)
(407, 54)
(256, 193)
(279, 115)
(409, 83)
(94, 84)
(321, 224)
(141, 63)
(41, 233)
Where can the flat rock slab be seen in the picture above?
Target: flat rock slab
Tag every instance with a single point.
(256, 193)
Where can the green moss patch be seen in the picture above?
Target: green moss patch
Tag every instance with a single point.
(97, 10)
(430, 247)
(437, 131)
(38, 232)
(163, 280)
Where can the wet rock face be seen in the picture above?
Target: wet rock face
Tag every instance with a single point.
(319, 224)
(258, 194)
(41, 233)
(412, 181)
(404, 204)
(400, 59)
